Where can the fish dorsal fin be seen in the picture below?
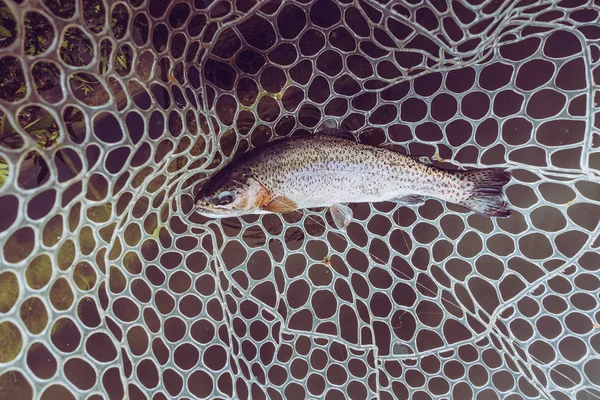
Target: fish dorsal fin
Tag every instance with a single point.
(422, 159)
(339, 133)
(280, 204)
(342, 215)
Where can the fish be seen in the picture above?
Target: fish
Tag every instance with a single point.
(332, 170)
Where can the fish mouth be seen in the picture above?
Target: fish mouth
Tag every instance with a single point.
(214, 212)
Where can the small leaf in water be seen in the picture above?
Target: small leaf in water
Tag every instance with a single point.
(3, 172)
(105, 50)
(9, 138)
(5, 12)
(40, 125)
(5, 32)
(88, 89)
(8, 26)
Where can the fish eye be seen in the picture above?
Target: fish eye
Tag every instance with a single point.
(224, 198)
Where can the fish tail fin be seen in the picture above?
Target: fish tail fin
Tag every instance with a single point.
(487, 197)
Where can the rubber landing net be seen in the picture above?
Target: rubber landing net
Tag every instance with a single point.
(112, 114)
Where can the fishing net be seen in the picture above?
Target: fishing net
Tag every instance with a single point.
(113, 113)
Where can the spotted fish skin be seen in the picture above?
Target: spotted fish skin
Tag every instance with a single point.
(323, 170)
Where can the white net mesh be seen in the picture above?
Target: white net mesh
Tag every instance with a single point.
(113, 113)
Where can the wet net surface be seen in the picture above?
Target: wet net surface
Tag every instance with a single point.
(112, 114)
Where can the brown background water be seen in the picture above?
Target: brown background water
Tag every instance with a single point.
(108, 288)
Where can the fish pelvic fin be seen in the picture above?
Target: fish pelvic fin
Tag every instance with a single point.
(342, 215)
(487, 197)
(410, 200)
(280, 204)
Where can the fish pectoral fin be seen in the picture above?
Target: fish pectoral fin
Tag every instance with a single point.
(280, 204)
(342, 215)
(410, 200)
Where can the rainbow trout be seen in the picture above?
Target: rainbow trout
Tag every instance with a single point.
(326, 170)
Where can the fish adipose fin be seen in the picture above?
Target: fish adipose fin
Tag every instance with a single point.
(410, 200)
(487, 197)
(280, 204)
(342, 215)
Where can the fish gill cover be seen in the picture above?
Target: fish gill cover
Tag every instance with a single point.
(113, 113)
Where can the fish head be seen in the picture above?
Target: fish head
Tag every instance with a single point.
(229, 196)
